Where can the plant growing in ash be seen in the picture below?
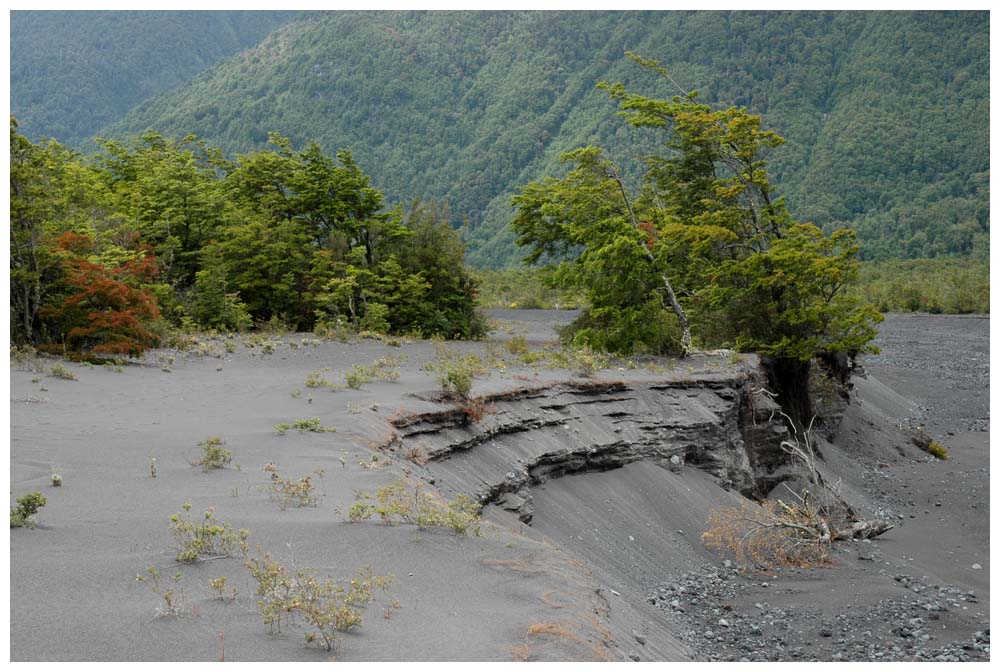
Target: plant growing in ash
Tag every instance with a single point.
(207, 537)
(170, 593)
(27, 506)
(407, 501)
(327, 605)
(214, 456)
(298, 492)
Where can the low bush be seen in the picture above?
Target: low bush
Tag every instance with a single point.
(357, 377)
(327, 605)
(455, 372)
(937, 450)
(171, 594)
(222, 592)
(214, 456)
(60, 371)
(311, 425)
(27, 506)
(407, 501)
(315, 379)
(207, 537)
(295, 492)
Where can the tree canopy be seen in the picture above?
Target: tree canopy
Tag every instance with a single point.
(704, 221)
(109, 253)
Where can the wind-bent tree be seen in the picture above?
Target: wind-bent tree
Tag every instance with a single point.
(744, 271)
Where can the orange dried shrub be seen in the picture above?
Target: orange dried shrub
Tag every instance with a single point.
(105, 310)
(770, 533)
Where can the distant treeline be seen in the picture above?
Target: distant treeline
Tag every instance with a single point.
(109, 253)
(943, 285)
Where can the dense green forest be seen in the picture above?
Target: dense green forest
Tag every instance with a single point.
(72, 73)
(885, 113)
(111, 253)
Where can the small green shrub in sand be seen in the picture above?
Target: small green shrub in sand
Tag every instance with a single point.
(282, 428)
(60, 371)
(455, 372)
(222, 592)
(205, 538)
(407, 501)
(296, 492)
(357, 377)
(517, 345)
(171, 594)
(327, 605)
(311, 425)
(316, 379)
(27, 506)
(214, 456)
(937, 450)
(384, 368)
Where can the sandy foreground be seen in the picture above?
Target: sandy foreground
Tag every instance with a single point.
(611, 566)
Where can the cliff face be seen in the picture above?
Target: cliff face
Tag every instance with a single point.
(719, 423)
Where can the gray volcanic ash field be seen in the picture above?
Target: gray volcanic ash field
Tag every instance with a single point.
(597, 491)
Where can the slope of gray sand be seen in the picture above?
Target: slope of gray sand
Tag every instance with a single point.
(591, 578)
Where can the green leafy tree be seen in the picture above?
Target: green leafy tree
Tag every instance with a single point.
(171, 192)
(750, 276)
(212, 306)
(586, 221)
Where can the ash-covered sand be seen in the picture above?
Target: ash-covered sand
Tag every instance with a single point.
(595, 576)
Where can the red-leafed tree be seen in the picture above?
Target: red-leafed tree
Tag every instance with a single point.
(105, 311)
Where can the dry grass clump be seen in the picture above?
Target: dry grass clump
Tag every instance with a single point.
(770, 533)
(475, 408)
(418, 453)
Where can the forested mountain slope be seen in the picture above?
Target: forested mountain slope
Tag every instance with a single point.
(886, 114)
(73, 72)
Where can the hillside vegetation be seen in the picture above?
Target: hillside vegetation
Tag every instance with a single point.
(885, 114)
(71, 73)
